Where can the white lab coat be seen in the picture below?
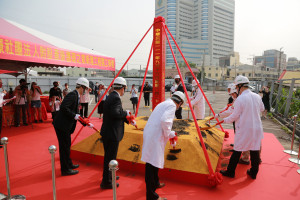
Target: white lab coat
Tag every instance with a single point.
(157, 132)
(198, 103)
(248, 126)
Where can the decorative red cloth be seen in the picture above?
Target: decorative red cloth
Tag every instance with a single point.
(8, 114)
(45, 100)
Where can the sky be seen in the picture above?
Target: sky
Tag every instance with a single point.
(115, 27)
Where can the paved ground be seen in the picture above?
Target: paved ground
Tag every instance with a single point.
(218, 100)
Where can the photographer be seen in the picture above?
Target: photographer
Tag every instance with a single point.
(265, 90)
(55, 91)
(35, 93)
(21, 92)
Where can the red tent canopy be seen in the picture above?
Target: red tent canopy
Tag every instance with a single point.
(7, 72)
(22, 47)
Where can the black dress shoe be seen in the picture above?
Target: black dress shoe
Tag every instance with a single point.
(69, 172)
(74, 166)
(109, 186)
(250, 174)
(244, 162)
(225, 173)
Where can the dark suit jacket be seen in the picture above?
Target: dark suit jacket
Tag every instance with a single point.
(55, 92)
(180, 88)
(113, 118)
(64, 119)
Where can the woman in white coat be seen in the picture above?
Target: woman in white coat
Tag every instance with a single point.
(157, 132)
(249, 131)
(198, 102)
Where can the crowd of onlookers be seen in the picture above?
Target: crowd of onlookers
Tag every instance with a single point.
(27, 100)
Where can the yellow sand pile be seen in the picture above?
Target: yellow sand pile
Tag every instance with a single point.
(191, 158)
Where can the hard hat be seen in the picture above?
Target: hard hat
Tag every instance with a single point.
(194, 83)
(240, 80)
(177, 76)
(232, 89)
(83, 81)
(230, 85)
(180, 95)
(120, 81)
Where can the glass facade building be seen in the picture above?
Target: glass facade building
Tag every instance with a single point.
(203, 29)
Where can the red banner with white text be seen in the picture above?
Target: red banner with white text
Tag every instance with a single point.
(18, 50)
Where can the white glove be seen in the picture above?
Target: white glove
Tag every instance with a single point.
(133, 123)
(172, 134)
(217, 116)
(77, 117)
(90, 125)
(173, 145)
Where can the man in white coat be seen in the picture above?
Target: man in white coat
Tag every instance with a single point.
(157, 132)
(249, 131)
(198, 102)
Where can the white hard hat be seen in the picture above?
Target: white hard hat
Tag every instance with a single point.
(230, 85)
(180, 95)
(120, 81)
(83, 81)
(177, 76)
(232, 89)
(194, 83)
(240, 80)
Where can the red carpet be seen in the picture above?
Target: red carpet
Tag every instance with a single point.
(30, 173)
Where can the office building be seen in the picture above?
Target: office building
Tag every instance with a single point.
(273, 59)
(203, 29)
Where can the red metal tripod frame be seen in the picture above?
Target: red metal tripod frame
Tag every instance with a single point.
(159, 62)
(187, 64)
(112, 82)
(192, 111)
(142, 88)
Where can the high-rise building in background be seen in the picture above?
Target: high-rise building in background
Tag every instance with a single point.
(274, 59)
(203, 29)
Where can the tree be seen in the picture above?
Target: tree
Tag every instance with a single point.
(122, 74)
(192, 65)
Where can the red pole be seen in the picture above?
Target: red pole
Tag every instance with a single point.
(159, 61)
(112, 82)
(142, 88)
(196, 80)
(192, 111)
